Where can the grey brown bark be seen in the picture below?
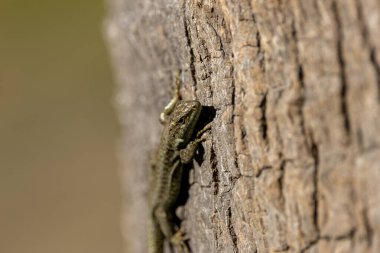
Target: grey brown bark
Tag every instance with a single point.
(293, 164)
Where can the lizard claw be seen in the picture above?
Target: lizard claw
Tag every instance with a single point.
(178, 241)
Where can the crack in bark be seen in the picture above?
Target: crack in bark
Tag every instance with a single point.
(347, 236)
(214, 169)
(191, 51)
(300, 101)
(342, 68)
(376, 66)
(315, 154)
(300, 75)
(301, 80)
(368, 228)
(214, 220)
(313, 148)
(220, 40)
(371, 49)
(258, 40)
(281, 181)
(263, 120)
(262, 169)
(241, 127)
(231, 230)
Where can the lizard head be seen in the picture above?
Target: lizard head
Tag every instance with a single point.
(183, 120)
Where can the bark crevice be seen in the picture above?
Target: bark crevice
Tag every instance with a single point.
(186, 28)
(342, 68)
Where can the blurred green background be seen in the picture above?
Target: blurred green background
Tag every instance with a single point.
(59, 188)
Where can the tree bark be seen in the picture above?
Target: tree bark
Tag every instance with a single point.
(293, 164)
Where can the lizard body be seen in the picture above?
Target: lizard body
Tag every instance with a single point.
(175, 150)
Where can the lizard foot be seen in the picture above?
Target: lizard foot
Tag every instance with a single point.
(178, 241)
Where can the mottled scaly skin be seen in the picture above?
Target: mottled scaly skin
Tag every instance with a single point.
(175, 150)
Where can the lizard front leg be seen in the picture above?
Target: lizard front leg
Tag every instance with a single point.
(187, 154)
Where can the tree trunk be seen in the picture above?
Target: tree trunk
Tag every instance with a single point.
(293, 164)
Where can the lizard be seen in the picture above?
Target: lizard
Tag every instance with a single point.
(176, 149)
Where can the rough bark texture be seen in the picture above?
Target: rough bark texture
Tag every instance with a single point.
(293, 164)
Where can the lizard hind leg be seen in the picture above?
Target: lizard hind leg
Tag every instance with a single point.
(176, 238)
(178, 241)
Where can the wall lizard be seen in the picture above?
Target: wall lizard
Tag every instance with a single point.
(176, 148)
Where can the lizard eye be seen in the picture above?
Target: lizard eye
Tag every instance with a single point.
(181, 120)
